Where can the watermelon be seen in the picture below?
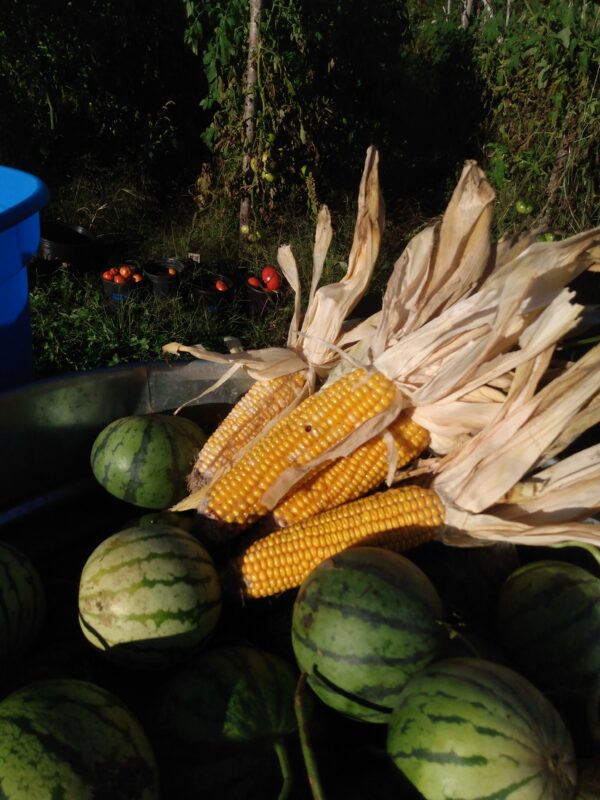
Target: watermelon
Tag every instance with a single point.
(477, 730)
(364, 622)
(22, 605)
(148, 596)
(72, 739)
(549, 622)
(234, 702)
(228, 695)
(145, 459)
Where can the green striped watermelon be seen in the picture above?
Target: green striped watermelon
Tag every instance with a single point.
(230, 695)
(235, 702)
(475, 730)
(22, 604)
(549, 622)
(145, 459)
(73, 740)
(364, 622)
(148, 596)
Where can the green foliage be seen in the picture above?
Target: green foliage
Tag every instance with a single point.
(316, 104)
(543, 147)
(94, 81)
(75, 328)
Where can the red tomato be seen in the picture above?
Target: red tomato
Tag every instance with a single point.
(221, 286)
(120, 279)
(114, 270)
(137, 277)
(268, 272)
(108, 276)
(125, 271)
(172, 271)
(272, 282)
(252, 281)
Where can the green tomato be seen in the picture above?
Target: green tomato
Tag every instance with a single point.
(523, 207)
(245, 229)
(253, 165)
(268, 177)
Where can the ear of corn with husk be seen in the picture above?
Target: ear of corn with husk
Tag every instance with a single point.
(467, 502)
(458, 252)
(463, 352)
(504, 325)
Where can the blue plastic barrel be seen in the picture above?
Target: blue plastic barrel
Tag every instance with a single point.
(21, 197)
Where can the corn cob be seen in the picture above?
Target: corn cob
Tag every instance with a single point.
(397, 519)
(246, 420)
(353, 476)
(319, 423)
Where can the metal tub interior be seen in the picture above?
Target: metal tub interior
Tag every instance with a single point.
(48, 428)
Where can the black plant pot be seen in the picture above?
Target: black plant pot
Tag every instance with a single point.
(70, 244)
(157, 273)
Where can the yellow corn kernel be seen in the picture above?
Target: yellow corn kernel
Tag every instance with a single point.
(246, 420)
(353, 476)
(396, 519)
(317, 424)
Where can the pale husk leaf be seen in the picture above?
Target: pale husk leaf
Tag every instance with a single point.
(442, 263)
(578, 424)
(331, 304)
(270, 362)
(323, 236)
(289, 268)
(469, 344)
(463, 529)
(451, 424)
(567, 490)
(483, 471)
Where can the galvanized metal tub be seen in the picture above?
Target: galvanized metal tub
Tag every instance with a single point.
(48, 428)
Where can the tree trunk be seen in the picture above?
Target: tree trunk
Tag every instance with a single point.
(249, 114)
(467, 13)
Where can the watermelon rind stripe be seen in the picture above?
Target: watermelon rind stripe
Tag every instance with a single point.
(478, 730)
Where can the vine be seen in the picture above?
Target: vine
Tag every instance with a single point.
(283, 151)
(542, 70)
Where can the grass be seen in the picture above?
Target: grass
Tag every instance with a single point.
(75, 327)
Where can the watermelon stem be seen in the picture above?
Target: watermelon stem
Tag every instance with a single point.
(454, 633)
(304, 709)
(286, 769)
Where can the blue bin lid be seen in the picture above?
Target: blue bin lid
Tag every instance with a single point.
(21, 195)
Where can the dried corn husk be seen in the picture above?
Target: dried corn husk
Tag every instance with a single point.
(443, 263)
(508, 327)
(500, 487)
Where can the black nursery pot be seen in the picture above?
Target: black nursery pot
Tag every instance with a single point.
(215, 300)
(163, 284)
(72, 244)
(260, 301)
(119, 292)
